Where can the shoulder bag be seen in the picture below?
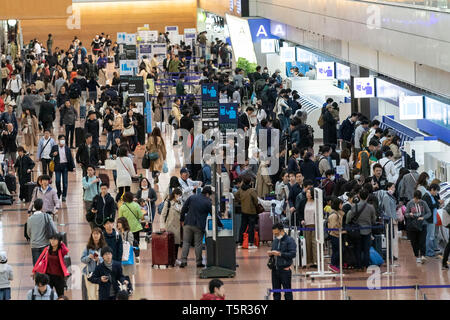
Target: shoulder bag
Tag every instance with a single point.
(353, 228)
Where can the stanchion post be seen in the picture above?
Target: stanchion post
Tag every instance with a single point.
(344, 290)
(267, 296)
(388, 264)
(340, 255)
(417, 292)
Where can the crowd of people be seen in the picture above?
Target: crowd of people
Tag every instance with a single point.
(75, 86)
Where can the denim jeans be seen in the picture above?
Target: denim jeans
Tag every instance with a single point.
(116, 134)
(430, 243)
(5, 294)
(109, 139)
(64, 171)
(70, 131)
(335, 251)
(282, 278)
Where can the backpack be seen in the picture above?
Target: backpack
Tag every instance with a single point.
(320, 159)
(259, 86)
(383, 174)
(363, 140)
(306, 133)
(143, 65)
(33, 296)
(321, 122)
(69, 65)
(74, 92)
(358, 162)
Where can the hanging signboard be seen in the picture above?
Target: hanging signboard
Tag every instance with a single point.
(228, 119)
(210, 105)
(136, 86)
(121, 37)
(128, 67)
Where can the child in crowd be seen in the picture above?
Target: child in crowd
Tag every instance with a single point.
(6, 275)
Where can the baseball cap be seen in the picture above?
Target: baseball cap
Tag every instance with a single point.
(184, 170)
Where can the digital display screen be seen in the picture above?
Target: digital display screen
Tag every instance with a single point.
(287, 54)
(411, 107)
(437, 111)
(364, 87)
(325, 70)
(304, 56)
(342, 72)
(228, 116)
(268, 45)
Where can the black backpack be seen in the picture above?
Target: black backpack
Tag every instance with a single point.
(33, 296)
(74, 91)
(200, 175)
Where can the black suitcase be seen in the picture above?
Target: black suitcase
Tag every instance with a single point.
(10, 181)
(6, 199)
(29, 188)
(79, 137)
(103, 154)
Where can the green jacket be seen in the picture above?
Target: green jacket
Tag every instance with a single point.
(180, 88)
(174, 66)
(132, 212)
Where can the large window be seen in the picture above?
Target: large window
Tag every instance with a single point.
(425, 4)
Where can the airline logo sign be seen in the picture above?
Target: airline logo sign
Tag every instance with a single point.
(121, 37)
(266, 29)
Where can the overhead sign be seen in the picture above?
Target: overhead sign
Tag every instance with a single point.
(147, 36)
(342, 72)
(411, 107)
(260, 29)
(364, 87)
(325, 70)
(210, 92)
(128, 67)
(278, 29)
(210, 114)
(173, 29)
(268, 45)
(121, 37)
(287, 54)
(228, 119)
(135, 86)
(130, 39)
(159, 49)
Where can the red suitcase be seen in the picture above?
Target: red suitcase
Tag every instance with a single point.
(265, 227)
(163, 249)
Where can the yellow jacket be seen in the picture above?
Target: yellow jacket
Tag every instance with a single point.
(118, 122)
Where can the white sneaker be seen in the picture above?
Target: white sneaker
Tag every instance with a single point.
(19, 201)
(423, 259)
(252, 247)
(239, 246)
(418, 260)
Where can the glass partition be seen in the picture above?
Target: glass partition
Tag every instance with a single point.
(442, 5)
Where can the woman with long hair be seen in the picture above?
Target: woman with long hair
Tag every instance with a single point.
(156, 146)
(170, 217)
(394, 146)
(423, 182)
(158, 106)
(124, 230)
(130, 121)
(91, 257)
(30, 129)
(51, 262)
(306, 217)
(345, 162)
(125, 172)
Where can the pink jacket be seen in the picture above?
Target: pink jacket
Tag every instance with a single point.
(41, 264)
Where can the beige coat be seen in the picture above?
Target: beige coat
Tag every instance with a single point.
(161, 149)
(176, 113)
(335, 222)
(263, 182)
(173, 219)
(118, 122)
(31, 137)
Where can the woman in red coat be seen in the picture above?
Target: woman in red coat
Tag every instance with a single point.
(51, 262)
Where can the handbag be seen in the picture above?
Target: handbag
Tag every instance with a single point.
(128, 254)
(152, 156)
(165, 167)
(414, 224)
(49, 231)
(145, 162)
(110, 164)
(128, 132)
(271, 263)
(51, 166)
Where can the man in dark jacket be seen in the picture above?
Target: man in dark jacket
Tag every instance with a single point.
(293, 165)
(24, 165)
(9, 137)
(186, 121)
(295, 190)
(283, 251)
(103, 208)
(87, 154)
(113, 240)
(329, 126)
(193, 214)
(92, 126)
(63, 164)
(106, 274)
(346, 131)
(10, 117)
(47, 113)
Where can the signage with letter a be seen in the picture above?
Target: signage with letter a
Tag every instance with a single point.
(261, 31)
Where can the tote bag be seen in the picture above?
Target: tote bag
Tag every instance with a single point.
(128, 254)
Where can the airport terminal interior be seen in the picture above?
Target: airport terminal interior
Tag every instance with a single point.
(224, 149)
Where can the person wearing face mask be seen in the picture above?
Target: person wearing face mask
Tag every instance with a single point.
(63, 164)
(147, 193)
(431, 197)
(45, 146)
(328, 184)
(170, 217)
(283, 252)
